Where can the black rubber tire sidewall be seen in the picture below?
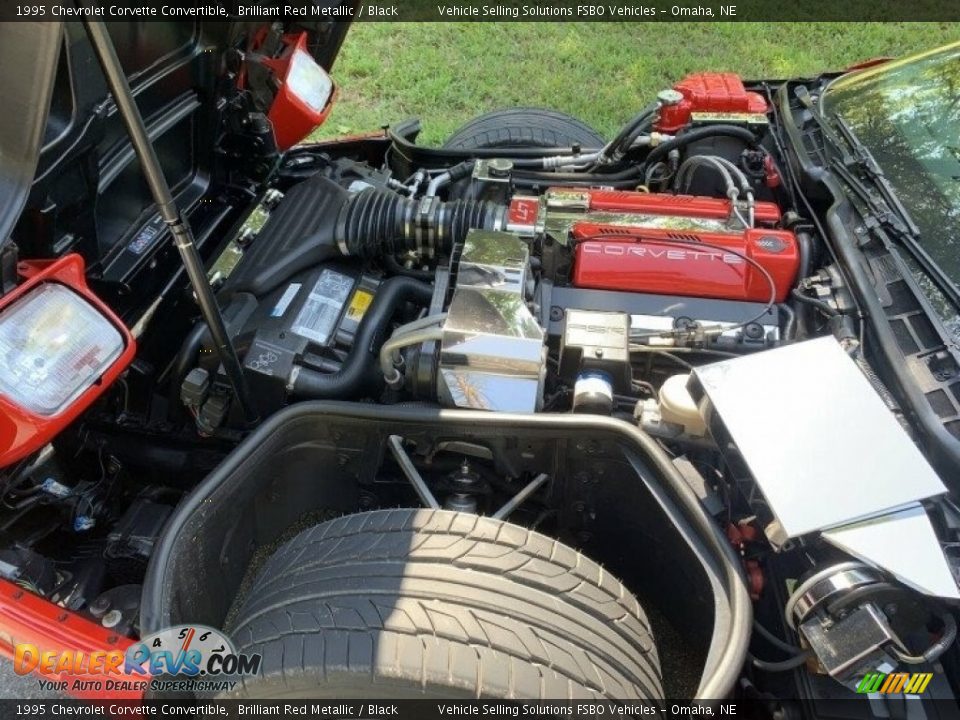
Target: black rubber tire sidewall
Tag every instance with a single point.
(524, 127)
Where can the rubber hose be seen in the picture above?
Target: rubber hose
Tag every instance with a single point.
(430, 157)
(393, 265)
(596, 178)
(805, 245)
(789, 322)
(538, 184)
(358, 374)
(823, 307)
(628, 133)
(692, 136)
(805, 248)
(374, 223)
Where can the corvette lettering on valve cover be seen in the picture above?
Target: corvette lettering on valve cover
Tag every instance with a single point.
(535, 415)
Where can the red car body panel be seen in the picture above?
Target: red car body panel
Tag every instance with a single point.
(23, 432)
(28, 618)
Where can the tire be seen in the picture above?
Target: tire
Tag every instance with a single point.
(433, 603)
(524, 127)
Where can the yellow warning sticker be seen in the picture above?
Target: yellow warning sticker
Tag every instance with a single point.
(358, 305)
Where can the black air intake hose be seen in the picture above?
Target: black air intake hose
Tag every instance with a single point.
(359, 373)
(374, 223)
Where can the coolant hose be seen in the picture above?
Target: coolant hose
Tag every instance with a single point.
(789, 322)
(374, 223)
(358, 373)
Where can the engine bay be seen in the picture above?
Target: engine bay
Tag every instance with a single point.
(638, 282)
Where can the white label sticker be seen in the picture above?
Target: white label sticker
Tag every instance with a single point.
(284, 302)
(319, 313)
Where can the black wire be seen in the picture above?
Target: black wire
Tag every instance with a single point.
(781, 665)
(667, 354)
(774, 640)
(779, 146)
(691, 351)
(695, 135)
(697, 243)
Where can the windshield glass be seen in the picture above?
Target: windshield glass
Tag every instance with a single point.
(908, 116)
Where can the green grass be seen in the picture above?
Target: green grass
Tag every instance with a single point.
(603, 73)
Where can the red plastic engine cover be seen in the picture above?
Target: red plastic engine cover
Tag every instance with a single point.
(709, 93)
(694, 263)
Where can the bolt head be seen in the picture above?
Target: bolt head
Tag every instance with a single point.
(111, 619)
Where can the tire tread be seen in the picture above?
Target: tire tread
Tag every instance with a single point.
(487, 609)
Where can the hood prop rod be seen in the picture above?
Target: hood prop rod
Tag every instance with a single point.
(174, 219)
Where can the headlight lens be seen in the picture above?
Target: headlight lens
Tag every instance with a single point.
(308, 81)
(53, 346)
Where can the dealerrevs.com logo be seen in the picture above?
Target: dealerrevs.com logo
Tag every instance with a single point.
(187, 657)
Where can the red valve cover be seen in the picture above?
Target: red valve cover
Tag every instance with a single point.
(694, 263)
(709, 93)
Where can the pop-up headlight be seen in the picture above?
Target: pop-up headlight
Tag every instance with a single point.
(305, 92)
(60, 347)
(53, 346)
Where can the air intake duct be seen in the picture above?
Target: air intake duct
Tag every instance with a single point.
(374, 223)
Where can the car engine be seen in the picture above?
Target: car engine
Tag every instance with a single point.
(523, 302)
(672, 285)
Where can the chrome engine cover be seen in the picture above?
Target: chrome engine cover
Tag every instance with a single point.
(493, 353)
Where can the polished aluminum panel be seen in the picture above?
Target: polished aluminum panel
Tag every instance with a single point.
(904, 544)
(492, 355)
(819, 442)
